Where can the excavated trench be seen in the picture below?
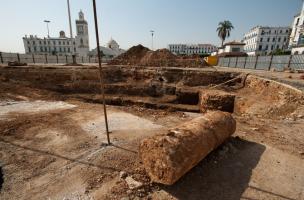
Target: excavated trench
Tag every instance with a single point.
(164, 88)
(174, 89)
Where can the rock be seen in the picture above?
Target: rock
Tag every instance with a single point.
(255, 129)
(123, 174)
(216, 100)
(301, 116)
(133, 184)
(125, 198)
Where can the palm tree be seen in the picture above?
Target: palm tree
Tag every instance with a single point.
(224, 29)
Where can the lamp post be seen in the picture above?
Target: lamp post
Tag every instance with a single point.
(47, 25)
(101, 77)
(152, 34)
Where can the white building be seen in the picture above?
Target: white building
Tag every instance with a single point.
(112, 50)
(232, 47)
(61, 45)
(296, 42)
(264, 40)
(199, 49)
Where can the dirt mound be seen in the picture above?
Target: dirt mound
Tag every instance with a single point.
(142, 56)
(161, 57)
(131, 57)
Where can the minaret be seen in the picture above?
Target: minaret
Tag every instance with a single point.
(82, 37)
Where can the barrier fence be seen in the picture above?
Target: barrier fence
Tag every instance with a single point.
(45, 59)
(278, 63)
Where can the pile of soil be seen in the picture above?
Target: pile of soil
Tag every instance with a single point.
(161, 57)
(131, 57)
(142, 56)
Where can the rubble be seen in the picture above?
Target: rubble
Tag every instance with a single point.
(133, 184)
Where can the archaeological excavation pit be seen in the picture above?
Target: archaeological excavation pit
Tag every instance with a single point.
(54, 142)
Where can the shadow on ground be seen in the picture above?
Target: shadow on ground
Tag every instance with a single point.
(224, 174)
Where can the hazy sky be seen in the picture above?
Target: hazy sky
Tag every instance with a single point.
(129, 21)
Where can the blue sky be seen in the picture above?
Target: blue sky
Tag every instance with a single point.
(129, 21)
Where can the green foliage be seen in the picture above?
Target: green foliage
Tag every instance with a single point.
(280, 52)
(224, 30)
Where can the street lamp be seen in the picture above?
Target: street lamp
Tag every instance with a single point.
(152, 34)
(47, 25)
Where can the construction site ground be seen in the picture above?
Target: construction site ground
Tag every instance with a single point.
(53, 144)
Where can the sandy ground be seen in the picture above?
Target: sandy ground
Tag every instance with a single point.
(55, 148)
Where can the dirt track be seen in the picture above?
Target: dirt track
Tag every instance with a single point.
(58, 151)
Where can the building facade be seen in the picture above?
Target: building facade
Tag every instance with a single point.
(197, 49)
(232, 47)
(112, 50)
(296, 42)
(265, 40)
(61, 45)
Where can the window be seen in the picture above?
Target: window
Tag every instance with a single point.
(287, 31)
(261, 40)
(278, 46)
(48, 42)
(274, 39)
(63, 43)
(60, 49)
(41, 49)
(28, 42)
(29, 49)
(35, 49)
(236, 49)
(69, 49)
(40, 42)
(59, 42)
(279, 39)
(266, 48)
(285, 39)
(272, 47)
(54, 42)
(281, 31)
(34, 42)
(268, 39)
(45, 49)
(44, 42)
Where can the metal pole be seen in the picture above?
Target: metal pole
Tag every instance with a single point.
(47, 25)
(70, 21)
(152, 33)
(101, 79)
(1, 58)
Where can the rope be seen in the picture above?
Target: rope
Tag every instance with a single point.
(240, 76)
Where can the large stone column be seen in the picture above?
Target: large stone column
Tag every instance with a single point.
(168, 156)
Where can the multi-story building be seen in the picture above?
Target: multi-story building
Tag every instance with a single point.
(296, 42)
(265, 40)
(61, 45)
(198, 49)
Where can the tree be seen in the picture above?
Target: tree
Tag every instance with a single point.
(224, 29)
